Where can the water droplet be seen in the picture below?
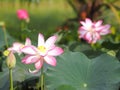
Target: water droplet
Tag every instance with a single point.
(84, 85)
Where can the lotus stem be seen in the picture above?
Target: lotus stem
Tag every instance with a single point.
(11, 79)
(42, 79)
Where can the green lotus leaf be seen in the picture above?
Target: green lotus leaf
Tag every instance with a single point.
(20, 73)
(76, 70)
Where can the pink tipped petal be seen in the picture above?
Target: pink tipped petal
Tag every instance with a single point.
(97, 24)
(83, 28)
(96, 36)
(50, 60)
(82, 33)
(17, 44)
(88, 36)
(83, 23)
(39, 64)
(34, 71)
(16, 47)
(40, 40)
(105, 30)
(27, 42)
(88, 22)
(102, 28)
(29, 50)
(50, 42)
(107, 26)
(30, 59)
(56, 51)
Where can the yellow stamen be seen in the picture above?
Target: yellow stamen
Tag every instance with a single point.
(42, 49)
(22, 46)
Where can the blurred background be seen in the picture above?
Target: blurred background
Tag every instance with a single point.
(61, 17)
(51, 16)
(45, 15)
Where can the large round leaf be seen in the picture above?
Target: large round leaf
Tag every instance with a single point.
(76, 70)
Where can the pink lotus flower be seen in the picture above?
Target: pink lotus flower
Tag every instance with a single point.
(92, 31)
(23, 15)
(45, 51)
(16, 48)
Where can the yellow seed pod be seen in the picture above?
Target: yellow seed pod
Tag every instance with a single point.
(11, 60)
(6, 52)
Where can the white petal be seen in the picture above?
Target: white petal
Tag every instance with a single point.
(40, 40)
(27, 42)
(50, 42)
(34, 71)
(88, 22)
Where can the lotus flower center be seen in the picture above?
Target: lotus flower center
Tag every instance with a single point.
(92, 30)
(22, 46)
(42, 49)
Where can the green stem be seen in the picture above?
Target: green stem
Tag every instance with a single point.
(22, 30)
(5, 37)
(41, 80)
(116, 13)
(22, 25)
(93, 46)
(11, 79)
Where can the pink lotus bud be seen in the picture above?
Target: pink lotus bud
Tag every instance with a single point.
(11, 60)
(23, 15)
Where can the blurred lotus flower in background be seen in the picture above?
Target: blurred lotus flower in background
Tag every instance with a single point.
(45, 51)
(92, 31)
(16, 48)
(23, 15)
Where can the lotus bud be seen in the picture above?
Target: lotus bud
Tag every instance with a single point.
(23, 15)
(11, 60)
